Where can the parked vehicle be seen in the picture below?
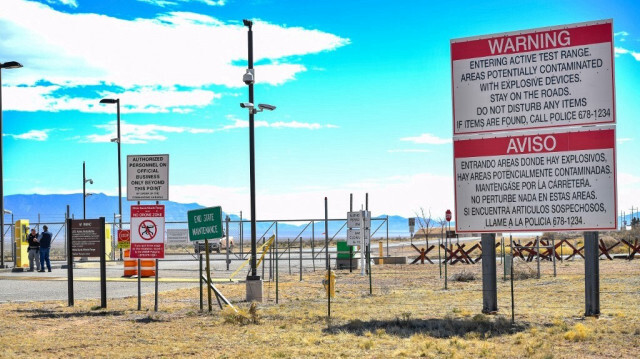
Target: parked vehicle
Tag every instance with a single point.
(214, 245)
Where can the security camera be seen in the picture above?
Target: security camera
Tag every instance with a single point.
(248, 77)
(264, 106)
(247, 22)
(90, 181)
(248, 105)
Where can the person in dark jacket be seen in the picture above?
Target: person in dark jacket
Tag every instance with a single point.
(34, 250)
(45, 245)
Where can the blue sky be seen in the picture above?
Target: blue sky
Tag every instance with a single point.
(363, 92)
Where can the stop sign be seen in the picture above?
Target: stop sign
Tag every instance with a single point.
(448, 215)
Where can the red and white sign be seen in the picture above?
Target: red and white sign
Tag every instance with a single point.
(447, 215)
(553, 180)
(124, 238)
(533, 79)
(147, 221)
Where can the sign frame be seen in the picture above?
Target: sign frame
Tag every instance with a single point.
(151, 218)
(195, 216)
(140, 186)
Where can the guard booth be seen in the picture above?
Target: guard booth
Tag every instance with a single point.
(22, 246)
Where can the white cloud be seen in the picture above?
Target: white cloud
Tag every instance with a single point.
(401, 195)
(175, 48)
(621, 33)
(427, 138)
(164, 3)
(624, 139)
(35, 135)
(238, 123)
(408, 150)
(622, 51)
(135, 134)
(70, 3)
(147, 100)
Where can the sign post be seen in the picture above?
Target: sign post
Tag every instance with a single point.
(86, 238)
(147, 237)
(206, 223)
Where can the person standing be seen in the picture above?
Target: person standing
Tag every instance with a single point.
(34, 250)
(45, 245)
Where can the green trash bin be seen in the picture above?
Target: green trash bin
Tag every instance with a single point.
(343, 250)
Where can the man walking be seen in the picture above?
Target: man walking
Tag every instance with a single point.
(34, 250)
(45, 245)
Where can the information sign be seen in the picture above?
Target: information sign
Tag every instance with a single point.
(86, 236)
(354, 219)
(177, 235)
(205, 223)
(147, 229)
(354, 236)
(558, 180)
(148, 177)
(539, 78)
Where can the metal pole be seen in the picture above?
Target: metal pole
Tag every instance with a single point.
(277, 259)
(326, 246)
(69, 262)
(103, 266)
(592, 274)
(513, 305)
(200, 280)
(538, 254)
(252, 169)
(1, 182)
(369, 266)
(139, 285)
(120, 168)
(67, 230)
(241, 236)
(301, 258)
(227, 244)
(206, 251)
(553, 245)
(155, 304)
(351, 247)
(313, 239)
(84, 192)
(489, 285)
(439, 244)
(387, 235)
(446, 255)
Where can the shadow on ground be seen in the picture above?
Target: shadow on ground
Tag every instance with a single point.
(44, 313)
(438, 328)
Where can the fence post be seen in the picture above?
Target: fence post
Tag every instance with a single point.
(592, 274)
(538, 254)
(489, 285)
(313, 237)
(301, 258)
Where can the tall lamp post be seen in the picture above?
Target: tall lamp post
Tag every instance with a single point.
(6, 65)
(254, 291)
(117, 140)
(84, 191)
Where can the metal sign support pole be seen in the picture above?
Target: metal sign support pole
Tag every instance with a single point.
(277, 260)
(206, 251)
(326, 246)
(513, 305)
(200, 277)
(103, 266)
(69, 262)
(227, 241)
(489, 285)
(592, 274)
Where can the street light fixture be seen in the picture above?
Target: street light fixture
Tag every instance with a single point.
(253, 291)
(84, 190)
(6, 65)
(117, 140)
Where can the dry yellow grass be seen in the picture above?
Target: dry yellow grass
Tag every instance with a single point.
(409, 315)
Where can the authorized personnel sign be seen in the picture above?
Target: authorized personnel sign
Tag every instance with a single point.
(124, 238)
(532, 79)
(545, 181)
(147, 231)
(354, 219)
(148, 177)
(205, 223)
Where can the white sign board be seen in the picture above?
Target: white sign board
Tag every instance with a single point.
(546, 181)
(180, 235)
(354, 219)
(354, 236)
(540, 78)
(147, 231)
(148, 177)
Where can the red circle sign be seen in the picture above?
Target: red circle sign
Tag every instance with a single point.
(147, 230)
(448, 215)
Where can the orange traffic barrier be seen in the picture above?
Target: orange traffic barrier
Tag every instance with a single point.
(147, 266)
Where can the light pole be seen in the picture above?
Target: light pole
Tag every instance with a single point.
(253, 292)
(249, 80)
(6, 65)
(84, 191)
(117, 140)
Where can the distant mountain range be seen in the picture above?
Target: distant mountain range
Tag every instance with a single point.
(50, 209)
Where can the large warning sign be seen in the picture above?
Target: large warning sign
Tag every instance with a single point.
(148, 177)
(546, 77)
(542, 181)
(147, 231)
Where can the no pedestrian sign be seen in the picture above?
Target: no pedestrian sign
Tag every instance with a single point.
(147, 231)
